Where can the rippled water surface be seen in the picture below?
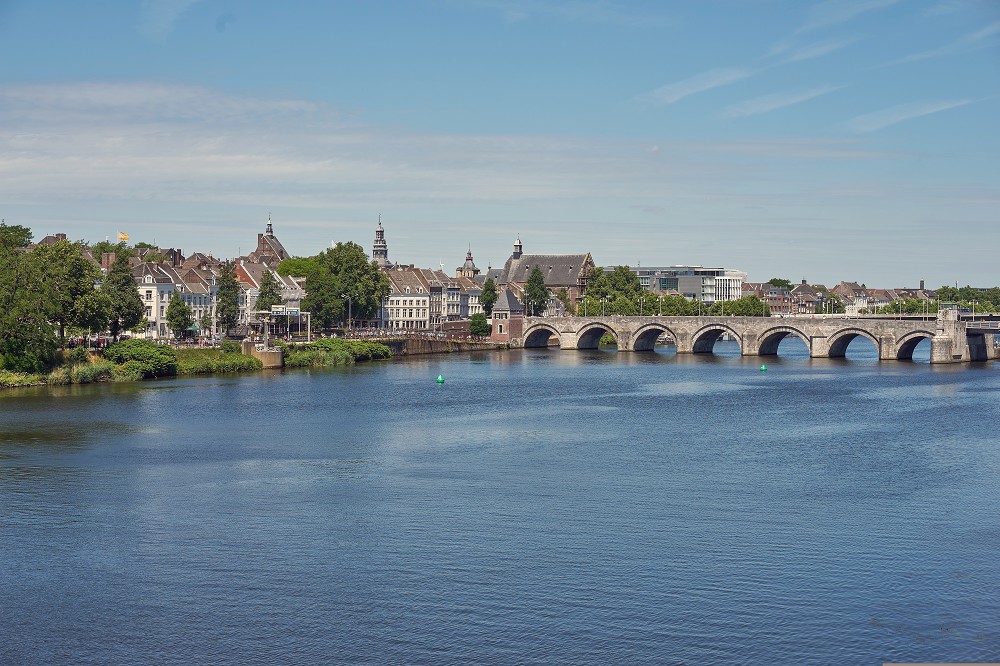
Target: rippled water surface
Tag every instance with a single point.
(538, 507)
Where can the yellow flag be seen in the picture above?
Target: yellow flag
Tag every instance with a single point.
(122, 236)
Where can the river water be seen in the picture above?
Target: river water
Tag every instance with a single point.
(537, 507)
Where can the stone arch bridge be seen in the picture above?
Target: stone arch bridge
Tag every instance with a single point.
(952, 340)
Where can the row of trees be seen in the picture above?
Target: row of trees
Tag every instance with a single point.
(50, 288)
(340, 282)
(620, 293)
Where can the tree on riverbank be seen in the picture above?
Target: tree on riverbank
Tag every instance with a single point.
(536, 294)
(27, 340)
(126, 304)
(179, 317)
(227, 308)
(488, 296)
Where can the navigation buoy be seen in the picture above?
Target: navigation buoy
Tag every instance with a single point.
(440, 379)
(763, 368)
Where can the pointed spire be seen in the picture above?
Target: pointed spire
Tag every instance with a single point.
(270, 229)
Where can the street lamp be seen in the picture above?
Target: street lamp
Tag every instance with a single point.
(604, 300)
(348, 313)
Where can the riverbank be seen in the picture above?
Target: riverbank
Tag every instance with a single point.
(148, 361)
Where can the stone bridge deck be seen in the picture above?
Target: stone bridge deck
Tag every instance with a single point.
(952, 340)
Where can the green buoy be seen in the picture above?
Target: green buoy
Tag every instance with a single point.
(440, 379)
(763, 368)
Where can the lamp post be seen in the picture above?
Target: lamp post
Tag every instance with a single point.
(604, 299)
(348, 313)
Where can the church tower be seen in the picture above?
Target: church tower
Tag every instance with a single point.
(380, 250)
(468, 269)
(517, 249)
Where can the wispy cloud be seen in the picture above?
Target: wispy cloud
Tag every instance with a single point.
(776, 101)
(871, 122)
(159, 16)
(582, 11)
(814, 50)
(714, 78)
(964, 43)
(947, 7)
(835, 12)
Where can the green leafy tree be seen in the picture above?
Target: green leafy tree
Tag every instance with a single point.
(746, 306)
(623, 305)
(126, 304)
(205, 323)
(345, 272)
(120, 249)
(227, 307)
(479, 325)
(179, 318)
(624, 282)
(488, 297)
(780, 282)
(92, 311)
(298, 267)
(27, 338)
(66, 277)
(598, 284)
(536, 294)
(269, 294)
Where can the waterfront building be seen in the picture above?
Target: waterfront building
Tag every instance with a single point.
(508, 317)
(407, 307)
(697, 283)
(158, 282)
(560, 271)
(249, 275)
(779, 300)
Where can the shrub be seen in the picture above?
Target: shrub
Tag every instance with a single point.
(78, 355)
(154, 360)
(129, 371)
(205, 362)
(101, 371)
(359, 350)
(230, 347)
(60, 376)
(9, 379)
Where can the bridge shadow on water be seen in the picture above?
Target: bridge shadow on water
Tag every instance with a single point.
(791, 351)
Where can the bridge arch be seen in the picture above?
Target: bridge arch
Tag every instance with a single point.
(838, 341)
(906, 344)
(539, 335)
(704, 338)
(589, 335)
(767, 343)
(645, 337)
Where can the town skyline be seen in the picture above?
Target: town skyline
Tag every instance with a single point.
(828, 141)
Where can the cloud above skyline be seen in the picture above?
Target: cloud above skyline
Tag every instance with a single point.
(877, 120)
(775, 101)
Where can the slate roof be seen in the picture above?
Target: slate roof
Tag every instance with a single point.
(508, 301)
(559, 270)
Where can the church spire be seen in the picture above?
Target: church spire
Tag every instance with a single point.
(380, 249)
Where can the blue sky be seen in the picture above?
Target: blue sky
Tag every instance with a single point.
(833, 140)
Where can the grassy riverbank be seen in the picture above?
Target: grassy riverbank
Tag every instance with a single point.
(133, 360)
